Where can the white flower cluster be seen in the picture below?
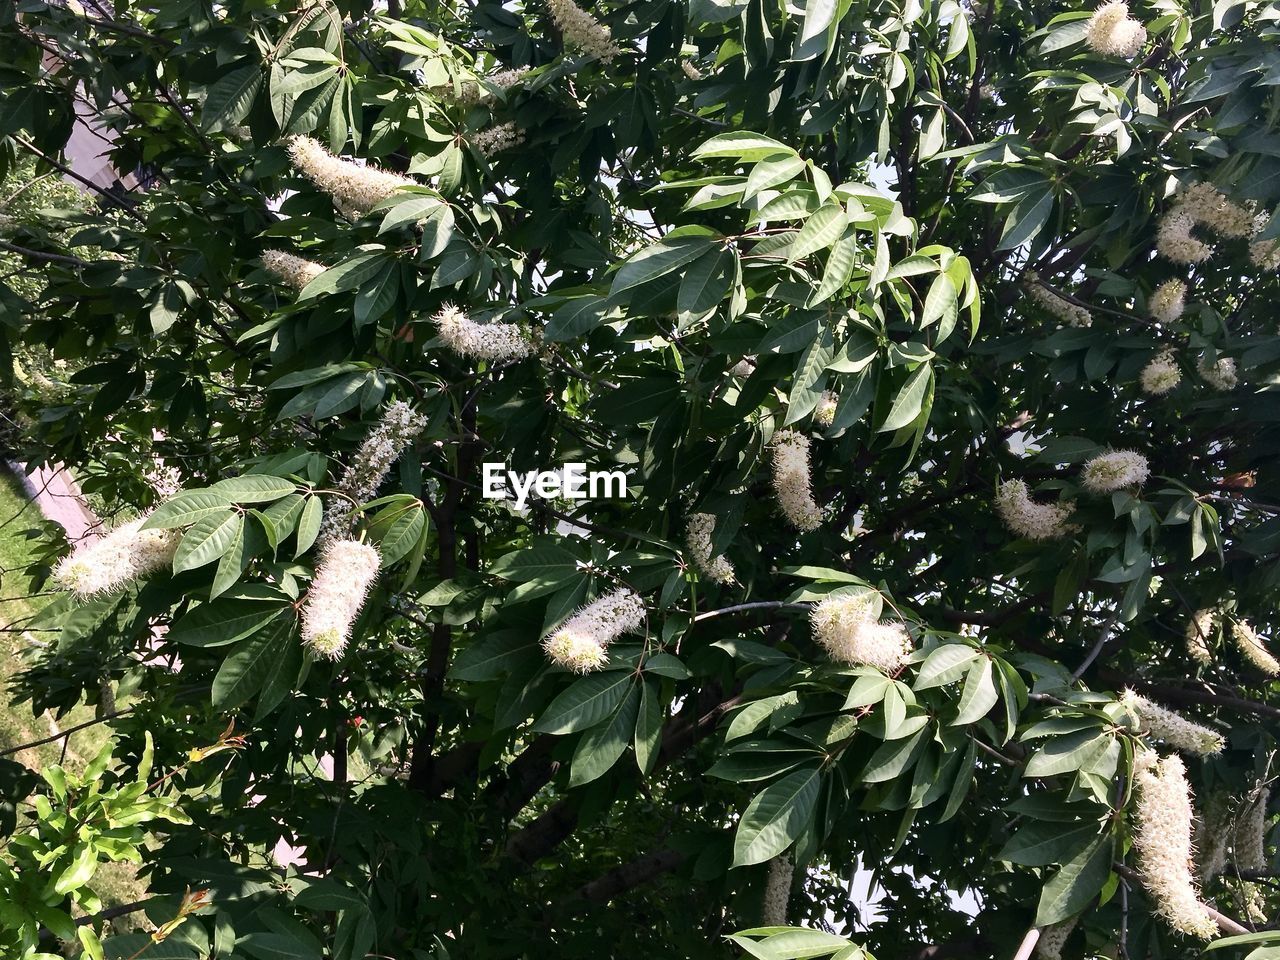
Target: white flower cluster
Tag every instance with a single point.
(355, 188)
(791, 480)
(1253, 649)
(1160, 375)
(1111, 32)
(1025, 517)
(1175, 730)
(1221, 374)
(824, 414)
(1053, 938)
(1264, 253)
(1199, 630)
(846, 627)
(1251, 831)
(1213, 828)
(698, 530)
(496, 139)
(380, 448)
(1206, 204)
(109, 563)
(1168, 301)
(297, 272)
(581, 643)
(1113, 471)
(1176, 242)
(1072, 314)
(344, 575)
(690, 71)
(777, 891)
(1201, 204)
(1163, 842)
(583, 31)
(164, 479)
(495, 342)
(506, 79)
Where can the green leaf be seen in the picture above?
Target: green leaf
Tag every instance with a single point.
(1067, 754)
(1026, 218)
(186, 508)
(946, 663)
(277, 946)
(492, 656)
(1073, 887)
(648, 735)
(309, 525)
(254, 488)
(838, 270)
(771, 172)
(224, 621)
(979, 694)
(207, 540)
(601, 746)
(705, 283)
(741, 145)
(940, 302)
(410, 210)
(249, 666)
(401, 536)
(894, 757)
(776, 817)
(83, 865)
(820, 231)
(231, 97)
(546, 563)
(141, 945)
(585, 703)
(910, 399)
(1039, 843)
(658, 260)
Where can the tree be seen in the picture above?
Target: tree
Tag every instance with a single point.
(936, 346)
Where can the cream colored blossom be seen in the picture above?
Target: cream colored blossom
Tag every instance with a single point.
(1072, 314)
(698, 530)
(1264, 253)
(495, 342)
(791, 480)
(1168, 301)
(1251, 830)
(1025, 517)
(505, 79)
(112, 562)
(343, 577)
(1053, 938)
(1221, 374)
(1175, 730)
(1199, 630)
(581, 643)
(1111, 32)
(583, 31)
(1207, 205)
(824, 414)
(1253, 649)
(846, 627)
(1162, 838)
(504, 136)
(1114, 470)
(355, 188)
(381, 447)
(1175, 240)
(295, 271)
(1213, 829)
(1160, 375)
(777, 891)
(690, 71)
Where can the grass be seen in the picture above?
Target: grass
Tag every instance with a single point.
(115, 883)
